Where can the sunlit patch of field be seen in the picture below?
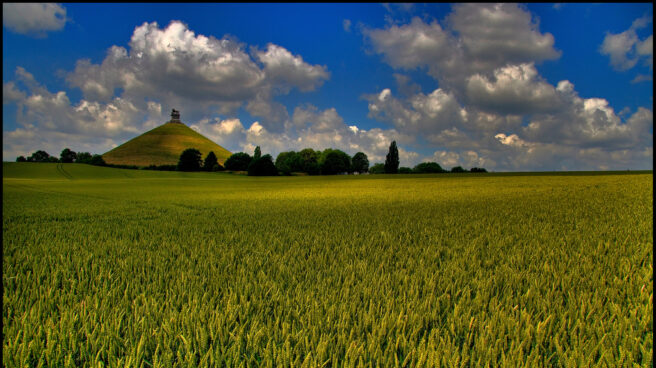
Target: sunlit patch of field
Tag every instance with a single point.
(109, 267)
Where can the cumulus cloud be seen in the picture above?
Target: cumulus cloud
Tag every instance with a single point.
(163, 68)
(625, 49)
(228, 133)
(11, 94)
(466, 159)
(513, 140)
(493, 109)
(591, 122)
(479, 38)
(497, 34)
(273, 114)
(412, 45)
(178, 67)
(26, 140)
(514, 89)
(420, 113)
(174, 67)
(517, 122)
(287, 70)
(33, 18)
(46, 118)
(172, 61)
(323, 121)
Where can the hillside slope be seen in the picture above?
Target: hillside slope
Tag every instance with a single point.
(163, 146)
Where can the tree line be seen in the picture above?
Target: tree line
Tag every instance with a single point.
(310, 162)
(67, 156)
(307, 161)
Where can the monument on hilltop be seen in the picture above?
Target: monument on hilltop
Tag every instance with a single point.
(175, 116)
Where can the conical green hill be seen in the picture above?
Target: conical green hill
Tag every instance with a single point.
(163, 146)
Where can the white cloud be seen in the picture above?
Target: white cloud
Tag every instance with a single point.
(284, 69)
(466, 159)
(514, 89)
(11, 94)
(625, 49)
(272, 113)
(558, 124)
(46, 119)
(326, 120)
(512, 140)
(27, 140)
(420, 113)
(446, 159)
(197, 74)
(228, 133)
(493, 109)
(163, 68)
(591, 122)
(33, 18)
(498, 34)
(479, 38)
(646, 49)
(412, 45)
(513, 120)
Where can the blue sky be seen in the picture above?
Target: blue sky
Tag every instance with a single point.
(508, 87)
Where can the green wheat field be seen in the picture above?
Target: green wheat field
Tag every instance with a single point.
(107, 267)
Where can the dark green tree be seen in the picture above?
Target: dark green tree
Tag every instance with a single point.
(263, 166)
(428, 167)
(97, 160)
(360, 163)
(334, 161)
(238, 162)
(257, 154)
(309, 161)
(392, 159)
(458, 169)
(210, 161)
(39, 156)
(405, 170)
(190, 160)
(67, 156)
(288, 162)
(478, 170)
(378, 168)
(83, 157)
(21, 159)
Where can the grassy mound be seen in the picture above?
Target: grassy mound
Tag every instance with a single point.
(163, 146)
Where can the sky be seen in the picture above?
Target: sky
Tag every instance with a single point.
(507, 87)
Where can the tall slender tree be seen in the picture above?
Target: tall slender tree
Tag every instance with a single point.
(392, 159)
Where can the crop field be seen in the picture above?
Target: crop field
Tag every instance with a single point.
(107, 267)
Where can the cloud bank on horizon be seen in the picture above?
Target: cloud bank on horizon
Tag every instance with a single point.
(492, 106)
